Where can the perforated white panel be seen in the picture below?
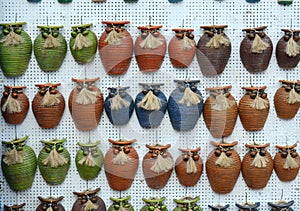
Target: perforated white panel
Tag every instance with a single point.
(237, 14)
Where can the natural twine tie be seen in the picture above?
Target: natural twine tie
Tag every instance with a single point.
(189, 98)
(12, 105)
(89, 206)
(294, 97)
(187, 43)
(292, 48)
(121, 158)
(223, 103)
(87, 160)
(81, 42)
(150, 102)
(13, 157)
(258, 45)
(223, 161)
(114, 37)
(151, 42)
(123, 208)
(191, 167)
(162, 164)
(54, 159)
(217, 41)
(260, 161)
(259, 103)
(51, 99)
(290, 162)
(86, 96)
(49, 208)
(51, 42)
(117, 102)
(11, 39)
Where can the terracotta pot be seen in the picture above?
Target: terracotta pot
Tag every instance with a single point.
(220, 112)
(218, 207)
(88, 200)
(287, 163)
(213, 50)
(115, 47)
(254, 108)
(48, 105)
(156, 203)
(121, 163)
(157, 166)
(184, 111)
(120, 204)
(50, 203)
(285, 103)
(86, 104)
(287, 57)
(257, 166)
(150, 48)
(14, 104)
(189, 167)
(281, 205)
(187, 203)
(223, 167)
(248, 206)
(15, 207)
(182, 48)
(119, 106)
(256, 59)
(150, 105)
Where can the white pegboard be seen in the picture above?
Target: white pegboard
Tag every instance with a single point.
(237, 14)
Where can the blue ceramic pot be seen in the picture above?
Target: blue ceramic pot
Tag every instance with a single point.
(218, 207)
(150, 117)
(252, 1)
(184, 116)
(248, 207)
(118, 106)
(281, 206)
(174, 1)
(35, 1)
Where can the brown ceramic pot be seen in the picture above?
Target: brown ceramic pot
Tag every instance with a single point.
(286, 106)
(14, 104)
(286, 56)
(115, 47)
(182, 48)
(50, 203)
(256, 59)
(220, 112)
(254, 108)
(287, 163)
(88, 200)
(86, 104)
(48, 105)
(213, 50)
(150, 48)
(15, 207)
(121, 163)
(157, 166)
(189, 167)
(223, 167)
(257, 166)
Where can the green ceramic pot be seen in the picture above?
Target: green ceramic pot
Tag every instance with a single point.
(187, 203)
(120, 204)
(154, 204)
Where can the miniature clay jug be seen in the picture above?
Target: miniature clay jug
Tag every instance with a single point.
(50, 203)
(88, 201)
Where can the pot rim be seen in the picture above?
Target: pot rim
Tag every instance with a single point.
(54, 141)
(51, 199)
(289, 82)
(15, 206)
(216, 144)
(48, 85)
(82, 25)
(50, 27)
(14, 87)
(13, 24)
(182, 29)
(214, 26)
(252, 88)
(190, 150)
(259, 146)
(187, 200)
(122, 141)
(77, 80)
(87, 192)
(260, 28)
(115, 22)
(286, 146)
(218, 88)
(150, 27)
(158, 147)
(89, 144)
(187, 81)
(16, 141)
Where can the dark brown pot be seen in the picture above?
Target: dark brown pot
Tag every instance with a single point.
(157, 178)
(285, 60)
(255, 62)
(48, 116)
(186, 176)
(223, 176)
(253, 119)
(213, 59)
(285, 170)
(220, 119)
(50, 203)
(182, 48)
(11, 95)
(15, 207)
(257, 177)
(88, 198)
(116, 55)
(86, 115)
(149, 59)
(283, 108)
(119, 172)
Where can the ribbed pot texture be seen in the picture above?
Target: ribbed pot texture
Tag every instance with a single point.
(284, 110)
(285, 174)
(283, 59)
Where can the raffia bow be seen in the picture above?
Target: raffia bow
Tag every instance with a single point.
(150, 102)
(114, 37)
(162, 164)
(258, 45)
(55, 159)
(87, 160)
(49, 208)
(217, 41)
(81, 42)
(259, 161)
(13, 156)
(191, 167)
(292, 48)
(294, 97)
(259, 103)
(51, 99)
(189, 98)
(11, 39)
(187, 43)
(51, 42)
(86, 96)
(223, 103)
(89, 206)
(12, 105)
(223, 161)
(290, 162)
(117, 102)
(121, 158)
(151, 42)
(123, 208)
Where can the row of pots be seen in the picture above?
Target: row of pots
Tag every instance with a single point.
(116, 48)
(223, 164)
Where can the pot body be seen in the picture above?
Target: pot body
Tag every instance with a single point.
(285, 174)
(284, 110)
(284, 60)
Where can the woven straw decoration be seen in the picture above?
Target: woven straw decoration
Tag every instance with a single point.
(88, 200)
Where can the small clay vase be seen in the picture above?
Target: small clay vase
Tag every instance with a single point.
(150, 48)
(121, 163)
(281, 205)
(48, 105)
(182, 48)
(50, 203)
(254, 108)
(157, 166)
(88, 200)
(223, 166)
(248, 206)
(150, 105)
(254, 57)
(120, 204)
(257, 166)
(220, 112)
(218, 207)
(15, 207)
(187, 203)
(115, 47)
(287, 49)
(86, 104)
(14, 104)
(287, 163)
(154, 203)
(213, 50)
(287, 99)
(189, 167)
